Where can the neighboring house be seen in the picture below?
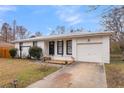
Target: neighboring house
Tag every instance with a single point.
(84, 47)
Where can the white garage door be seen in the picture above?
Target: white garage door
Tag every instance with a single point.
(89, 52)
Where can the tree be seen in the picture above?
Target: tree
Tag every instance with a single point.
(62, 30)
(9, 34)
(14, 29)
(21, 32)
(38, 34)
(53, 32)
(72, 30)
(114, 21)
(58, 30)
(6, 32)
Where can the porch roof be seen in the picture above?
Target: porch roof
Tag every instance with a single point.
(63, 36)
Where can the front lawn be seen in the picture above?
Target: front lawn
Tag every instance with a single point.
(115, 72)
(24, 71)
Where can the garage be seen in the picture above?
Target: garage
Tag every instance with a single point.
(89, 52)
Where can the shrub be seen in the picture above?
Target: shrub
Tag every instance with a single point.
(35, 52)
(13, 52)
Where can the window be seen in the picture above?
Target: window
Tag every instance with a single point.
(34, 43)
(60, 47)
(51, 48)
(69, 47)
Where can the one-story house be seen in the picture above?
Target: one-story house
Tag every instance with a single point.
(81, 46)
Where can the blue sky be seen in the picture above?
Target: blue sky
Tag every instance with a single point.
(45, 18)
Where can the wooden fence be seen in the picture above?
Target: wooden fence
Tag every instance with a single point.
(4, 52)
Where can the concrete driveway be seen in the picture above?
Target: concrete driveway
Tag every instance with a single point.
(77, 75)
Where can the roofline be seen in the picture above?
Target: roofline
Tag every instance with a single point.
(71, 35)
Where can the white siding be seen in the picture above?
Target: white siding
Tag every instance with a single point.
(30, 44)
(46, 48)
(104, 48)
(17, 46)
(74, 50)
(41, 44)
(27, 43)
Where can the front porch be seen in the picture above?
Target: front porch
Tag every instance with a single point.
(58, 51)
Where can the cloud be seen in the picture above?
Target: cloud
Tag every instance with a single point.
(7, 8)
(69, 14)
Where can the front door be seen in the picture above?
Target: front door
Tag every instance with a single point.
(51, 48)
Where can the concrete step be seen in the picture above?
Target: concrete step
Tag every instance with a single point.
(59, 62)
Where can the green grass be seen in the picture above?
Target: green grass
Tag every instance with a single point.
(25, 72)
(115, 72)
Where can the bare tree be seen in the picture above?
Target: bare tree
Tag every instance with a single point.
(9, 34)
(53, 32)
(72, 30)
(58, 30)
(14, 29)
(38, 33)
(6, 32)
(63, 30)
(21, 32)
(114, 21)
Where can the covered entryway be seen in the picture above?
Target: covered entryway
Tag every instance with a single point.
(89, 52)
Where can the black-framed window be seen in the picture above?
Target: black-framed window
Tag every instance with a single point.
(69, 47)
(51, 47)
(34, 43)
(60, 47)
